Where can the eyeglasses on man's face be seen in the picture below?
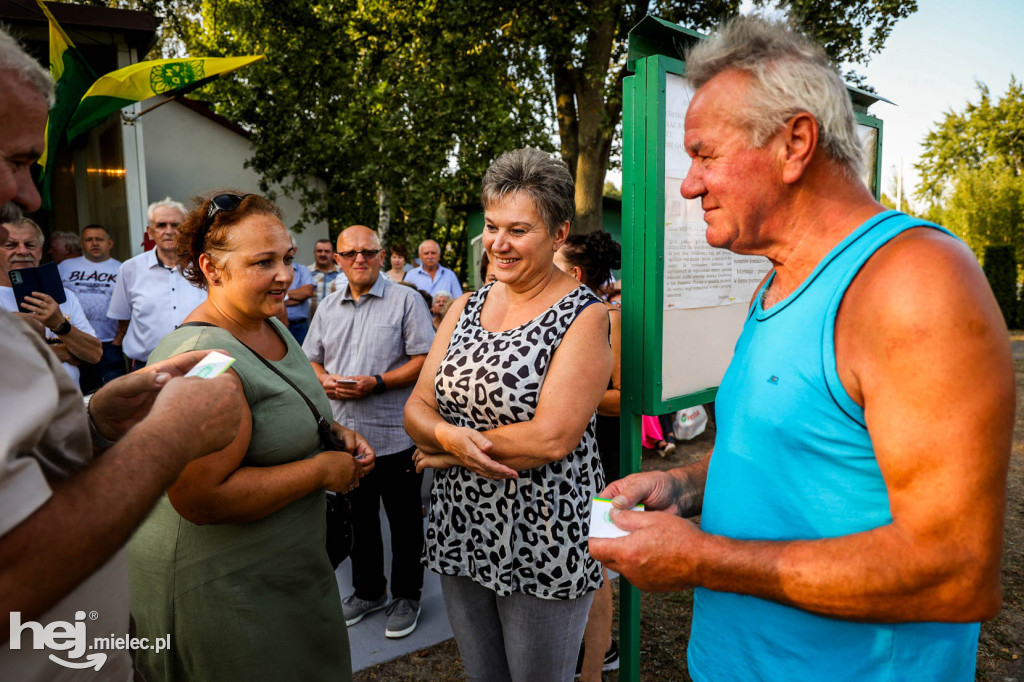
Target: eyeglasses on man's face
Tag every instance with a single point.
(367, 254)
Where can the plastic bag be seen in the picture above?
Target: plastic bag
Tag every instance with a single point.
(690, 423)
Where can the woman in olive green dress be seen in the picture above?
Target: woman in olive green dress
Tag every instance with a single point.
(232, 563)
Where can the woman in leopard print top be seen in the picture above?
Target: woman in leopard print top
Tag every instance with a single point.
(504, 410)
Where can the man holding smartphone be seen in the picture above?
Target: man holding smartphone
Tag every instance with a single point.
(367, 343)
(64, 326)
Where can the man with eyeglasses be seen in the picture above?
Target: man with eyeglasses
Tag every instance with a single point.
(367, 343)
(151, 297)
(431, 276)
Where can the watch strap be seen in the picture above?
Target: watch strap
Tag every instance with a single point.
(99, 441)
(380, 387)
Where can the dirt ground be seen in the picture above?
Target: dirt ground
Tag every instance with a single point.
(665, 619)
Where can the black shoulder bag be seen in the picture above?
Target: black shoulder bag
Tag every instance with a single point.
(339, 511)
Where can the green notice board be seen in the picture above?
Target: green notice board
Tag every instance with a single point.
(689, 300)
(694, 298)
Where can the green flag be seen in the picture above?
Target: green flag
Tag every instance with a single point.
(72, 78)
(143, 80)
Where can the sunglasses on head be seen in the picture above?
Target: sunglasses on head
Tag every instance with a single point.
(224, 202)
(221, 202)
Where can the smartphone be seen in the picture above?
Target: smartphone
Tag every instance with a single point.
(349, 382)
(45, 278)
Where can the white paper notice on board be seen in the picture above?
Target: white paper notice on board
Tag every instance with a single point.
(696, 275)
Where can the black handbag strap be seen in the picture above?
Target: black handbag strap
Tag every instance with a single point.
(323, 427)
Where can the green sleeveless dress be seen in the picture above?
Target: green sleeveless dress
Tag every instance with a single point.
(249, 601)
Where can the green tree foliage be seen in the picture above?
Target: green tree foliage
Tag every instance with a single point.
(584, 45)
(391, 101)
(984, 206)
(986, 134)
(971, 174)
(849, 31)
(402, 103)
(1001, 270)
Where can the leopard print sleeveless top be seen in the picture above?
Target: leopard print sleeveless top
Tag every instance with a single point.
(528, 535)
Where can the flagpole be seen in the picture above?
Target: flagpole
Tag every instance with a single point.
(128, 118)
(899, 187)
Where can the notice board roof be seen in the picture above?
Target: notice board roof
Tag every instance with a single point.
(654, 35)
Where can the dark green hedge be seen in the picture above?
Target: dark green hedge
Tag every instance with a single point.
(1001, 270)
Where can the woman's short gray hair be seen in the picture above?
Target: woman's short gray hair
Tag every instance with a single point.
(13, 57)
(789, 74)
(541, 176)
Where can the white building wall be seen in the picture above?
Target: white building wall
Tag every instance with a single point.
(187, 154)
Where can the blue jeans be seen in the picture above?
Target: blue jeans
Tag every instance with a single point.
(298, 329)
(110, 366)
(518, 638)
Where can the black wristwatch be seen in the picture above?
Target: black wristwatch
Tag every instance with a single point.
(63, 329)
(380, 387)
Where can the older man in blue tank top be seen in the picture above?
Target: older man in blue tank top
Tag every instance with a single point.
(852, 506)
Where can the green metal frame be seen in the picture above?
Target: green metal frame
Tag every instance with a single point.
(876, 123)
(633, 188)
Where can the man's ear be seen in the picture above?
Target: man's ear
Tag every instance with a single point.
(800, 136)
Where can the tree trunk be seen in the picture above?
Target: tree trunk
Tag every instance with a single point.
(588, 101)
(384, 215)
(591, 166)
(565, 108)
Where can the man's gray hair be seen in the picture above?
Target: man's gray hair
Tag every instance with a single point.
(166, 202)
(14, 58)
(70, 240)
(789, 74)
(28, 222)
(539, 175)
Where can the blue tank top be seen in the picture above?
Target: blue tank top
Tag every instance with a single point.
(793, 460)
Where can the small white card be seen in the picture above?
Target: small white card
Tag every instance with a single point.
(213, 365)
(601, 524)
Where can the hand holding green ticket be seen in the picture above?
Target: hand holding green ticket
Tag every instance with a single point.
(601, 524)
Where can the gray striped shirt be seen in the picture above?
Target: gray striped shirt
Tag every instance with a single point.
(380, 332)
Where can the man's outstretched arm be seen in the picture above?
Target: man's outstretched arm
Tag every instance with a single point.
(90, 515)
